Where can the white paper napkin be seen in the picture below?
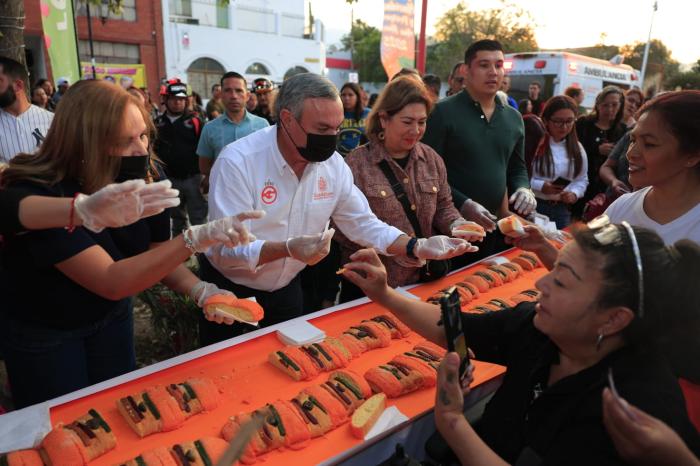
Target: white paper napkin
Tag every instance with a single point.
(390, 417)
(24, 428)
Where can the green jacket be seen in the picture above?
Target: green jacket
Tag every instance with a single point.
(482, 157)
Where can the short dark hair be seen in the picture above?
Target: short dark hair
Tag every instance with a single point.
(213, 86)
(455, 68)
(13, 69)
(485, 44)
(573, 91)
(539, 86)
(233, 74)
(432, 81)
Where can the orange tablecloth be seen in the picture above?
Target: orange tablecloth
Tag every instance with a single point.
(248, 382)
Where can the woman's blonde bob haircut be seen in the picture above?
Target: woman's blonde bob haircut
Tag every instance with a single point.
(402, 91)
(82, 141)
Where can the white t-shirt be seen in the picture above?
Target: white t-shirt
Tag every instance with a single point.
(23, 133)
(630, 207)
(252, 174)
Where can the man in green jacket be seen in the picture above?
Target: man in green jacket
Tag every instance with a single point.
(482, 142)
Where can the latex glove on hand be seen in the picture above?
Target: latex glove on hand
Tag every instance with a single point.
(202, 291)
(441, 247)
(523, 200)
(229, 231)
(310, 249)
(472, 210)
(120, 204)
(470, 231)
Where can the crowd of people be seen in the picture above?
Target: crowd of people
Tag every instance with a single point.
(273, 188)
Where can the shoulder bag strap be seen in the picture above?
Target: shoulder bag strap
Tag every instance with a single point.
(401, 196)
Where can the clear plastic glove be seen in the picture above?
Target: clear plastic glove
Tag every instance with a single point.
(469, 235)
(202, 291)
(472, 210)
(523, 200)
(120, 204)
(229, 231)
(441, 247)
(310, 249)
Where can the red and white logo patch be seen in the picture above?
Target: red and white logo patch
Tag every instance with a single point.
(269, 193)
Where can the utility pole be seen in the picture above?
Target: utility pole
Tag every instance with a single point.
(421, 38)
(646, 48)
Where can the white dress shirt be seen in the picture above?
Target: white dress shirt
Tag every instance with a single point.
(563, 168)
(252, 174)
(23, 133)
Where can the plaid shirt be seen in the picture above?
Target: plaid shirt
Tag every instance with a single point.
(425, 182)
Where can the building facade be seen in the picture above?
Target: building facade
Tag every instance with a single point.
(270, 38)
(135, 36)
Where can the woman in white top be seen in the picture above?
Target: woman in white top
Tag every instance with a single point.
(664, 169)
(560, 167)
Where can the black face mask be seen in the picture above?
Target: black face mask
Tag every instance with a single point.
(8, 97)
(319, 147)
(133, 168)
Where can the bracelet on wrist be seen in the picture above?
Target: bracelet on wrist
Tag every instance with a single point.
(187, 239)
(410, 246)
(71, 216)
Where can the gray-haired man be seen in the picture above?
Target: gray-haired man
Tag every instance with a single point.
(292, 172)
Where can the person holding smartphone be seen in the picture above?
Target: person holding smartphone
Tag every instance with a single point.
(604, 305)
(560, 167)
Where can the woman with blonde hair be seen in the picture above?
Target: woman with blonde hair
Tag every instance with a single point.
(394, 152)
(67, 314)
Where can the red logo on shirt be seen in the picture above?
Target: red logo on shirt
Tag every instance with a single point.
(322, 194)
(269, 193)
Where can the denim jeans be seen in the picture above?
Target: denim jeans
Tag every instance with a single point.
(192, 204)
(557, 212)
(44, 363)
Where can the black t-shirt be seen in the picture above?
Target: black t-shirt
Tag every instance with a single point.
(591, 137)
(35, 291)
(562, 423)
(9, 209)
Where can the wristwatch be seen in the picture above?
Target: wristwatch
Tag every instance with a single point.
(410, 246)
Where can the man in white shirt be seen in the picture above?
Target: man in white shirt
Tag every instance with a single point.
(23, 126)
(292, 172)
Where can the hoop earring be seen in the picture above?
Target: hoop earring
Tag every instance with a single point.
(599, 341)
(380, 135)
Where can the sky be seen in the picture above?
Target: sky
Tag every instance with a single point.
(558, 23)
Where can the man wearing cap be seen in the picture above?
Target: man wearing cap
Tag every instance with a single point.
(235, 123)
(176, 145)
(23, 126)
(62, 86)
(263, 90)
(293, 172)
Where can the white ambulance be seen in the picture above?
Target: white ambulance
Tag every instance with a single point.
(555, 71)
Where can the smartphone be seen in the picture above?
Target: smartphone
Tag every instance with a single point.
(561, 181)
(452, 321)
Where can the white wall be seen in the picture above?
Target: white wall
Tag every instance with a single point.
(238, 47)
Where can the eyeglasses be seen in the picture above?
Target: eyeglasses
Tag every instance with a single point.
(562, 123)
(609, 233)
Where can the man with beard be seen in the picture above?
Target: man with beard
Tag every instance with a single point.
(23, 126)
(293, 172)
(176, 145)
(235, 123)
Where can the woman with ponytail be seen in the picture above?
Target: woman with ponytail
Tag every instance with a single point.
(560, 167)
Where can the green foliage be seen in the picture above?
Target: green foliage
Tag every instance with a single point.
(174, 318)
(659, 54)
(365, 42)
(684, 81)
(460, 26)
